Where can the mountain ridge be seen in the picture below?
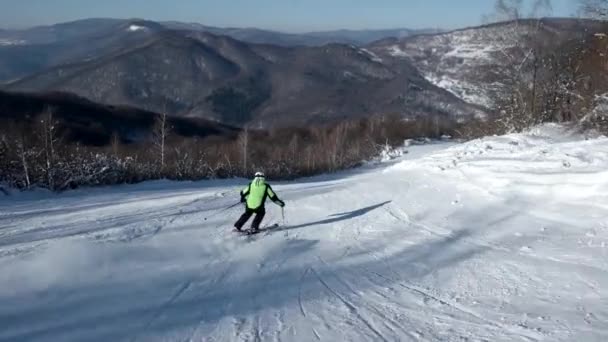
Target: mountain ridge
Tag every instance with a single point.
(197, 73)
(320, 37)
(86, 122)
(220, 78)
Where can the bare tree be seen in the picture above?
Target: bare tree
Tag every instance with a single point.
(243, 142)
(597, 9)
(522, 61)
(541, 8)
(50, 140)
(337, 145)
(160, 133)
(115, 142)
(22, 150)
(508, 9)
(294, 146)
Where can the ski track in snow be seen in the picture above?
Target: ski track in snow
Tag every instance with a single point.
(497, 239)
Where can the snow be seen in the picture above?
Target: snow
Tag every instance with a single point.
(456, 55)
(12, 42)
(372, 56)
(464, 90)
(459, 61)
(469, 44)
(396, 51)
(135, 28)
(498, 239)
(599, 110)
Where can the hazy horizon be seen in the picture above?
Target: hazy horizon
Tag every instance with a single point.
(295, 16)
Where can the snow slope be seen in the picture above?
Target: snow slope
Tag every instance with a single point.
(455, 61)
(499, 239)
(468, 63)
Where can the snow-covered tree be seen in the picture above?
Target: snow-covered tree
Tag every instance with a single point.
(522, 58)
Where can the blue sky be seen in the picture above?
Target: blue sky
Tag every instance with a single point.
(285, 15)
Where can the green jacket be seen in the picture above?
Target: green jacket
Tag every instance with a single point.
(256, 192)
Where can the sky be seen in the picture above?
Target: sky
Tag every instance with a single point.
(282, 15)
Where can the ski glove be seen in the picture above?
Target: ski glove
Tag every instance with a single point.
(243, 199)
(281, 203)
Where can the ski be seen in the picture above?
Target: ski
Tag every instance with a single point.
(266, 229)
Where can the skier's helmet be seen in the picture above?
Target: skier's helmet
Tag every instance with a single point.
(259, 174)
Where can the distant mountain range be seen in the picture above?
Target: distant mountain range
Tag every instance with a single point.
(257, 78)
(24, 52)
(194, 73)
(472, 63)
(253, 35)
(83, 28)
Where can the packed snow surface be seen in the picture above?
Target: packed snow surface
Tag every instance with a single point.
(498, 239)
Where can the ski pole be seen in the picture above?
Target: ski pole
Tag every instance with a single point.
(222, 211)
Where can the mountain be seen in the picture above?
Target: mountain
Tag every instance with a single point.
(89, 123)
(23, 52)
(37, 49)
(364, 37)
(254, 35)
(61, 32)
(191, 72)
(76, 30)
(198, 74)
(474, 63)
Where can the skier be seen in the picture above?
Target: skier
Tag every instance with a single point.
(254, 195)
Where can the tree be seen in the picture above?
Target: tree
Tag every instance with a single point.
(509, 10)
(597, 9)
(243, 142)
(115, 142)
(50, 140)
(23, 153)
(522, 58)
(160, 133)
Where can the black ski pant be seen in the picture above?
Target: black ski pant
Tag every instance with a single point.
(257, 220)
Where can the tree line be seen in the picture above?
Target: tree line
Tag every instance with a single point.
(545, 81)
(40, 156)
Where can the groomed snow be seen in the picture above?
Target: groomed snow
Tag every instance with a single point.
(498, 239)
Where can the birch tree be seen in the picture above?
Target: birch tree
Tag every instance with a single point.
(50, 140)
(160, 133)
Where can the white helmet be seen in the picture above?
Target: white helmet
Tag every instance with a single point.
(259, 174)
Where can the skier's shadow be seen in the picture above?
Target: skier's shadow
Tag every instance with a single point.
(335, 217)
